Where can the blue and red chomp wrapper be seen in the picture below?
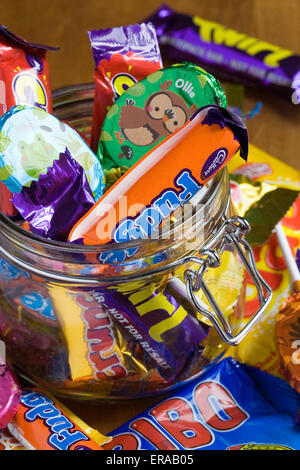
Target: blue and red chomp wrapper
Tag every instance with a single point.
(230, 407)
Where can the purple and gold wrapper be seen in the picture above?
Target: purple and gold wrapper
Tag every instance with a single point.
(227, 53)
(168, 336)
(10, 394)
(57, 200)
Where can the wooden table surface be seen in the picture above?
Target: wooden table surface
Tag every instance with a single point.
(65, 23)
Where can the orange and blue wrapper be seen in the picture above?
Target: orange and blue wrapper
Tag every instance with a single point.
(42, 423)
(187, 159)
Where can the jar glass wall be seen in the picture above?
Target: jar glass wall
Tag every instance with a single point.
(115, 321)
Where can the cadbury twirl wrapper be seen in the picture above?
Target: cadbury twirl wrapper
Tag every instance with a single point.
(230, 407)
(169, 337)
(123, 56)
(229, 54)
(57, 200)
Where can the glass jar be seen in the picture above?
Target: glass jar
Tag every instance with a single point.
(130, 319)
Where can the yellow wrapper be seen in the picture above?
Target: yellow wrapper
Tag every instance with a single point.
(259, 348)
(94, 354)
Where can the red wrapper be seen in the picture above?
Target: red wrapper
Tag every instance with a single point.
(24, 80)
(123, 56)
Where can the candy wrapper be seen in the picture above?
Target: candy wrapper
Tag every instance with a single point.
(24, 79)
(31, 139)
(288, 337)
(232, 407)
(57, 200)
(9, 391)
(153, 109)
(123, 56)
(229, 54)
(43, 423)
(259, 348)
(169, 337)
(134, 333)
(263, 205)
(207, 141)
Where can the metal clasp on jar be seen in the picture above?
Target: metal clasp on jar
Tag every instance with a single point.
(231, 233)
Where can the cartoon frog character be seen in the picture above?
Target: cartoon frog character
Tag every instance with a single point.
(37, 157)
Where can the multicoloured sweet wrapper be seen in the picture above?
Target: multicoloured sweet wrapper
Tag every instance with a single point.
(208, 141)
(229, 54)
(123, 56)
(259, 348)
(31, 139)
(57, 200)
(8, 442)
(230, 407)
(9, 391)
(263, 205)
(24, 79)
(153, 109)
(169, 337)
(288, 338)
(298, 258)
(93, 347)
(43, 423)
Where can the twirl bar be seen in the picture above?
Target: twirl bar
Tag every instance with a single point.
(227, 53)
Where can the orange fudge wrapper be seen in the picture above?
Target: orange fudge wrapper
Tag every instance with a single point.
(187, 159)
(43, 423)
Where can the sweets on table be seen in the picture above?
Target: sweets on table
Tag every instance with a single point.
(24, 79)
(43, 423)
(123, 56)
(229, 54)
(259, 348)
(153, 109)
(208, 141)
(31, 139)
(231, 407)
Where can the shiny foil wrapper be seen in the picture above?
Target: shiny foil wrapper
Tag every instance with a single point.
(10, 394)
(57, 200)
(288, 340)
(247, 60)
(262, 204)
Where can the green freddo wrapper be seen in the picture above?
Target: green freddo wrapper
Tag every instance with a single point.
(152, 109)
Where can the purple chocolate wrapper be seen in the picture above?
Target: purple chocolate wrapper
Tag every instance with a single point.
(29, 46)
(139, 38)
(169, 336)
(54, 203)
(228, 54)
(10, 394)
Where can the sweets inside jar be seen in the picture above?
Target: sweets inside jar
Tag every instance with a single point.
(126, 337)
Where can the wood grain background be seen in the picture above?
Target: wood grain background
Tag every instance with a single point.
(65, 23)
